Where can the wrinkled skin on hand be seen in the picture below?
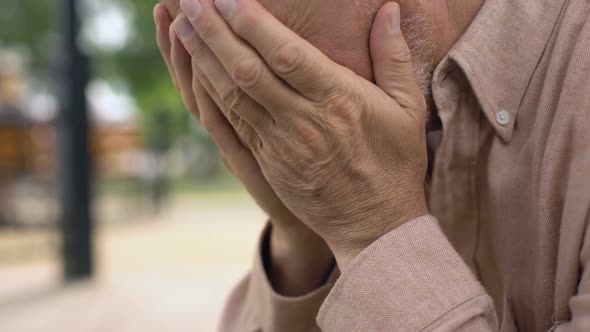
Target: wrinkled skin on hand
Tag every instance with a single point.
(348, 157)
(297, 257)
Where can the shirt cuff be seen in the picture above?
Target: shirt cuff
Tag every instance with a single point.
(274, 312)
(405, 281)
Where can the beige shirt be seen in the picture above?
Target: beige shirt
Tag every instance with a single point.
(507, 246)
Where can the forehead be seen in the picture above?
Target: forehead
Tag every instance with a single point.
(278, 8)
(369, 6)
(274, 6)
(326, 24)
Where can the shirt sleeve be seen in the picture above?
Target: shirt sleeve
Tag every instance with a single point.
(255, 306)
(580, 308)
(409, 280)
(579, 304)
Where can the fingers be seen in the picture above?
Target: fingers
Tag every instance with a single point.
(196, 98)
(240, 60)
(197, 89)
(201, 81)
(181, 63)
(245, 132)
(218, 127)
(292, 58)
(230, 94)
(173, 7)
(202, 86)
(392, 60)
(163, 22)
(237, 157)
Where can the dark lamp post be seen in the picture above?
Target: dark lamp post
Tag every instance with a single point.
(74, 151)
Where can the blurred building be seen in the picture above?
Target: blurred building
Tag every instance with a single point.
(27, 120)
(117, 144)
(17, 150)
(28, 151)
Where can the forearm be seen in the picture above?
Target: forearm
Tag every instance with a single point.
(291, 301)
(411, 279)
(297, 262)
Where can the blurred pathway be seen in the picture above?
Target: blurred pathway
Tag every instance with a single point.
(166, 273)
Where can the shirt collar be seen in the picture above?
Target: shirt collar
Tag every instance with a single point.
(500, 51)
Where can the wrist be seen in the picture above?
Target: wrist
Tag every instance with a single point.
(352, 242)
(298, 261)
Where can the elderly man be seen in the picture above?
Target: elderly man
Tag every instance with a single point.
(320, 110)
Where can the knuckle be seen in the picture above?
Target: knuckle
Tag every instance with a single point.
(197, 49)
(342, 105)
(286, 59)
(196, 69)
(413, 100)
(172, 6)
(235, 120)
(245, 22)
(313, 135)
(208, 31)
(243, 129)
(247, 73)
(401, 54)
(200, 80)
(197, 86)
(231, 96)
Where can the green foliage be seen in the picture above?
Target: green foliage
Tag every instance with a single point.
(34, 25)
(140, 61)
(141, 64)
(30, 24)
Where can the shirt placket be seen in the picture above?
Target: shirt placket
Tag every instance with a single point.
(453, 192)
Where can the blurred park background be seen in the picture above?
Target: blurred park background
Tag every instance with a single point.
(116, 213)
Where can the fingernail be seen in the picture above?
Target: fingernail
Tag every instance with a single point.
(395, 20)
(226, 7)
(184, 27)
(191, 8)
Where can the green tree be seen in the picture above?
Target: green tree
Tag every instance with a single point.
(30, 24)
(34, 25)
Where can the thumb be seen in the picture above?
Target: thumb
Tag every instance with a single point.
(392, 60)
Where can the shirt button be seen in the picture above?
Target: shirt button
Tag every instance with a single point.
(503, 118)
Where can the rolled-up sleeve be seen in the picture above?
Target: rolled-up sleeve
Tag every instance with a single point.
(255, 306)
(409, 280)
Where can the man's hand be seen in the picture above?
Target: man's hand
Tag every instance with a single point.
(346, 156)
(300, 258)
(172, 6)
